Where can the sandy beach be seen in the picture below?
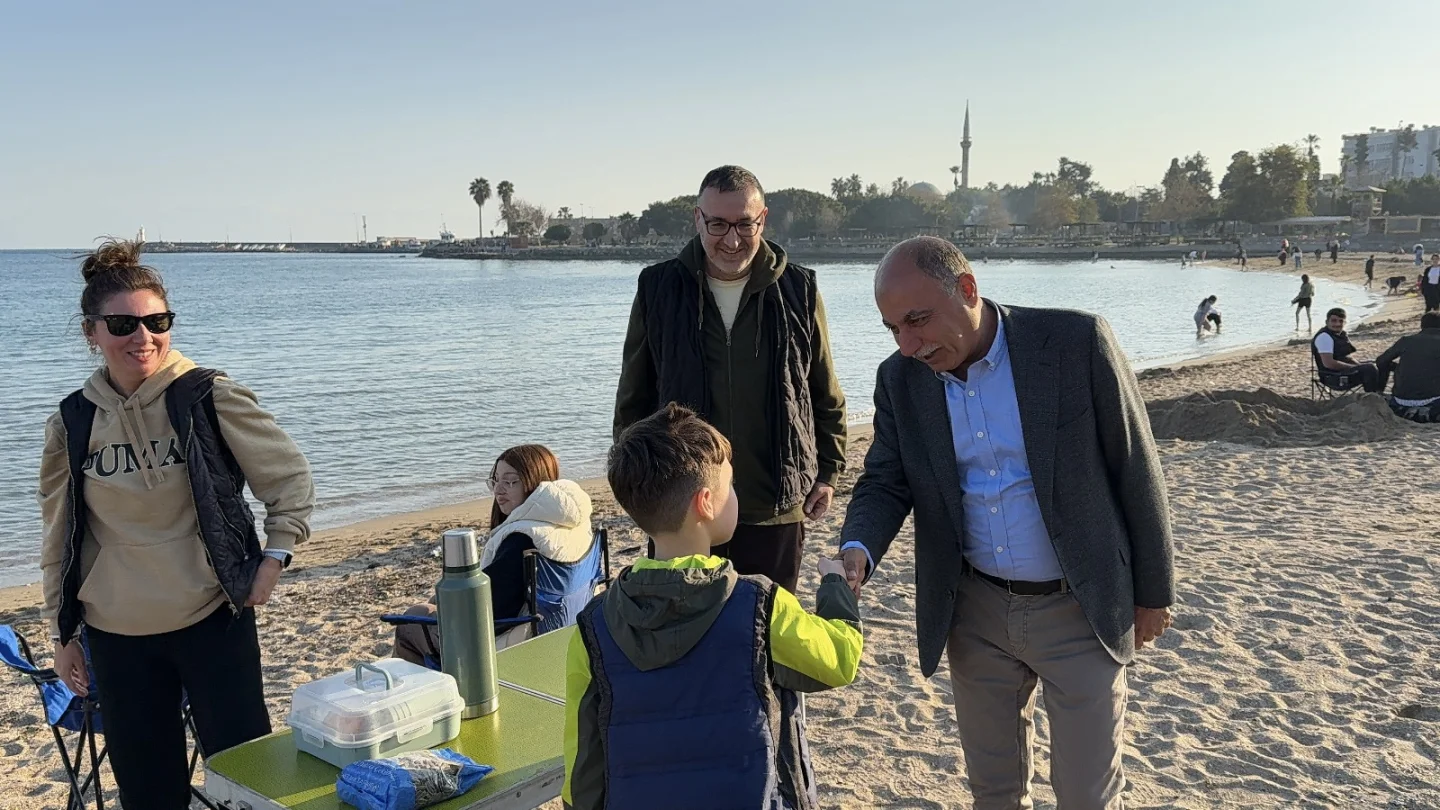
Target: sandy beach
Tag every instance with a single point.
(1301, 671)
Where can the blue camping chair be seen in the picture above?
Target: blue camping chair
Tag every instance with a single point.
(66, 711)
(555, 593)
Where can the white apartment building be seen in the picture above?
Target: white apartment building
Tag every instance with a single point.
(1386, 163)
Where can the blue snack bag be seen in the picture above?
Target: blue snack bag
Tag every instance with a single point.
(409, 781)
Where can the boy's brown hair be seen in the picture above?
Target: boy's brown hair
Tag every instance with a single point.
(660, 462)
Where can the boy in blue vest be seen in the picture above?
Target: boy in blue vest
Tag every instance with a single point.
(682, 683)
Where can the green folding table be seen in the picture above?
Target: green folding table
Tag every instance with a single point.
(523, 741)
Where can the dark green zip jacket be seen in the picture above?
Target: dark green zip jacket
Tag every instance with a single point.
(771, 433)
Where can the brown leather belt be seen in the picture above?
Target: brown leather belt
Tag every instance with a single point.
(1016, 587)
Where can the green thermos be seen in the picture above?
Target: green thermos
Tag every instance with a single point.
(467, 624)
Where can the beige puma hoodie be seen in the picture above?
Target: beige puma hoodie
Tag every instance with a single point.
(142, 564)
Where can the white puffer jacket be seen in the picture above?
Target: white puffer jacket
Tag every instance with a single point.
(556, 517)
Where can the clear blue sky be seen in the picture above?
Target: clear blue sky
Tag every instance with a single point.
(272, 118)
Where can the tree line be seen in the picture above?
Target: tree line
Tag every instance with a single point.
(1275, 183)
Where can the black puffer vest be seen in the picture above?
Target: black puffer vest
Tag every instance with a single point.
(674, 305)
(227, 526)
(1343, 348)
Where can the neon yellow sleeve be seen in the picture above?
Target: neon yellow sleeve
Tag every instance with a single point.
(827, 650)
(577, 680)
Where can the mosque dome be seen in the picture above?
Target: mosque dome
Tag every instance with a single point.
(925, 190)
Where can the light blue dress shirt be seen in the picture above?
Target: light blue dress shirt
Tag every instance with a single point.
(1005, 534)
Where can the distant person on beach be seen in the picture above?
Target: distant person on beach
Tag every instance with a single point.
(1318, 254)
(149, 543)
(1240, 256)
(1042, 537)
(1415, 362)
(1334, 251)
(683, 685)
(1430, 284)
(531, 509)
(733, 330)
(1302, 301)
(1334, 356)
(1369, 271)
(1284, 256)
(1296, 257)
(1419, 255)
(1207, 316)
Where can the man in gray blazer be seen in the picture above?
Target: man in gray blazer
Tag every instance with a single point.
(1019, 440)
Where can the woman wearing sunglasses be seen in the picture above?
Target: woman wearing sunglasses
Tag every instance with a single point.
(149, 544)
(532, 508)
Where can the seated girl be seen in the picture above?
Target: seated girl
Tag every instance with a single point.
(533, 509)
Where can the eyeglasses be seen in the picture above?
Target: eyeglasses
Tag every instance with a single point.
(498, 483)
(716, 226)
(122, 325)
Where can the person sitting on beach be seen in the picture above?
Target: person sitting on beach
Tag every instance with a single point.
(1205, 315)
(150, 555)
(1333, 354)
(1416, 393)
(685, 674)
(1302, 301)
(533, 508)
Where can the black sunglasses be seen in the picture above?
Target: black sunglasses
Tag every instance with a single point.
(122, 325)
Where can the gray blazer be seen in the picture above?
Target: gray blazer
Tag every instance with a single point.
(1097, 477)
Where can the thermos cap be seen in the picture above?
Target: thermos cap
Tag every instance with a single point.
(458, 548)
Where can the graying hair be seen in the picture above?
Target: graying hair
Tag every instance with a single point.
(726, 179)
(935, 257)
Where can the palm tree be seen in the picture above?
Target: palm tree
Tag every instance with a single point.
(627, 226)
(837, 188)
(506, 192)
(955, 170)
(1405, 140)
(480, 192)
(563, 213)
(1312, 141)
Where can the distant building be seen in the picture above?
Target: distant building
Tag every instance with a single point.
(398, 242)
(1384, 162)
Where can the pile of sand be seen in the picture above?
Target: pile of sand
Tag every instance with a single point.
(1264, 418)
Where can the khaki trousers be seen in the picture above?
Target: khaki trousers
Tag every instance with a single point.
(1000, 645)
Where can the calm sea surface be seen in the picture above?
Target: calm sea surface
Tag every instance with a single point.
(402, 378)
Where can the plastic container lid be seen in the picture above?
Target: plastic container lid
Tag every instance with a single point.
(372, 703)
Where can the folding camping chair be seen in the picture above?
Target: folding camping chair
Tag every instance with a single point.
(66, 711)
(555, 593)
(1325, 385)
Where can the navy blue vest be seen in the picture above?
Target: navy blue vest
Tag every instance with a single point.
(227, 527)
(704, 732)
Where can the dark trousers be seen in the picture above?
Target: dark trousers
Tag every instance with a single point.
(1367, 374)
(142, 682)
(774, 551)
(1432, 297)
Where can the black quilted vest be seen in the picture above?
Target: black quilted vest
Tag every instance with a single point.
(227, 527)
(674, 303)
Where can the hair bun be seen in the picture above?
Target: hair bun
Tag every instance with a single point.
(111, 256)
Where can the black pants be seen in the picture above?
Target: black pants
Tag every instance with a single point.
(1367, 374)
(1432, 297)
(142, 680)
(774, 551)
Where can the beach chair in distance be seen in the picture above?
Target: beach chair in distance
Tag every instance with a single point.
(67, 712)
(555, 593)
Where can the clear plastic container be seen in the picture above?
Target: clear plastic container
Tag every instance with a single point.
(376, 710)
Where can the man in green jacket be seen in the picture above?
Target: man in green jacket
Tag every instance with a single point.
(732, 330)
